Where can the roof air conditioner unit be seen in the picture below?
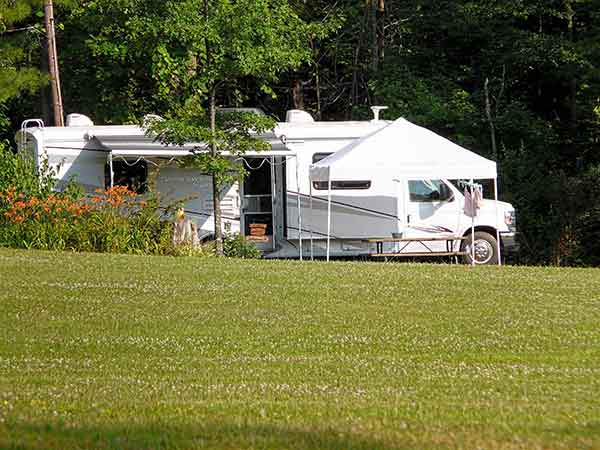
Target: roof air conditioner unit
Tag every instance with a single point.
(79, 120)
(298, 116)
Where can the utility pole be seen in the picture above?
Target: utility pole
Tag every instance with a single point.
(53, 64)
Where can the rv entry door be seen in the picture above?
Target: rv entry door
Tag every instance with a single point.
(257, 203)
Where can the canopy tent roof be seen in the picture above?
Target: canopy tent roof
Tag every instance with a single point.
(403, 150)
(133, 142)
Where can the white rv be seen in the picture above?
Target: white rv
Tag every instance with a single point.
(304, 213)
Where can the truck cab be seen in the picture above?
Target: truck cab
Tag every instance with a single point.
(438, 206)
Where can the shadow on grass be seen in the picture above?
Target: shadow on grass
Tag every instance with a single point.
(221, 436)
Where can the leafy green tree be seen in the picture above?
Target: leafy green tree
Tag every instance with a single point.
(19, 37)
(220, 144)
(517, 81)
(218, 47)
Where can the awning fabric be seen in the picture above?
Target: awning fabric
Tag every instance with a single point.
(403, 150)
(134, 143)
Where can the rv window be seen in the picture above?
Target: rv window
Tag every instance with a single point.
(132, 174)
(319, 156)
(429, 191)
(342, 185)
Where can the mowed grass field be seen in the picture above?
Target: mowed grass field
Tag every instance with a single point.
(126, 352)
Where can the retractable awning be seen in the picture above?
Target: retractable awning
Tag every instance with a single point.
(136, 144)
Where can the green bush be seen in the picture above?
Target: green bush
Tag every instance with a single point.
(586, 226)
(114, 221)
(237, 246)
(19, 172)
(587, 232)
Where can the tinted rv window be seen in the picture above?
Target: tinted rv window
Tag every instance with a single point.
(319, 156)
(132, 174)
(342, 185)
(429, 191)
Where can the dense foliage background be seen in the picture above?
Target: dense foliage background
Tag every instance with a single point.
(514, 80)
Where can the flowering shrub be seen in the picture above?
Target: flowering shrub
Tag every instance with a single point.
(113, 220)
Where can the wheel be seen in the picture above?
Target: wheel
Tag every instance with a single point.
(486, 248)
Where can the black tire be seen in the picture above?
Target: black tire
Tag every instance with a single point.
(486, 248)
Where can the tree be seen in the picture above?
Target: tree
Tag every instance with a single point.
(219, 46)
(221, 143)
(515, 80)
(18, 36)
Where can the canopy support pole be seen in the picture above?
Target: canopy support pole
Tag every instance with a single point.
(299, 210)
(400, 210)
(312, 220)
(399, 192)
(328, 215)
(497, 222)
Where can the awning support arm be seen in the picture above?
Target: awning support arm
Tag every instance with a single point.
(110, 168)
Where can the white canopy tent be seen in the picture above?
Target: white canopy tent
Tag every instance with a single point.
(402, 150)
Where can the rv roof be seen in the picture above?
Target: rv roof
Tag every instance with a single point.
(77, 136)
(328, 130)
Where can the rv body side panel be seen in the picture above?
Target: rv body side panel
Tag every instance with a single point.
(356, 213)
(86, 168)
(191, 189)
(68, 156)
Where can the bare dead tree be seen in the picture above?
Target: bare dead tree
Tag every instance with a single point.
(491, 117)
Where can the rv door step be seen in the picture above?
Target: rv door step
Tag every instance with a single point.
(409, 254)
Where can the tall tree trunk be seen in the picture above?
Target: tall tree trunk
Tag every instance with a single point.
(315, 52)
(372, 5)
(318, 89)
(573, 80)
(488, 113)
(381, 31)
(297, 94)
(215, 183)
(354, 90)
(212, 102)
(53, 64)
(45, 91)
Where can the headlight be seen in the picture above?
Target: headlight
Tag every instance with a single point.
(510, 219)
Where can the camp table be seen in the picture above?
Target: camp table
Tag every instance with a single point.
(427, 250)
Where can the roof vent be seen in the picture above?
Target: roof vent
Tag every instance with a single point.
(298, 116)
(376, 110)
(79, 120)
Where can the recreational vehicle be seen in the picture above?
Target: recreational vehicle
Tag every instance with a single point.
(323, 189)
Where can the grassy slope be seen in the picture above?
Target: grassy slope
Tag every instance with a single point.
(100, 351)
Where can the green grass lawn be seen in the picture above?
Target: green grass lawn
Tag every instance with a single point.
(122, 352)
